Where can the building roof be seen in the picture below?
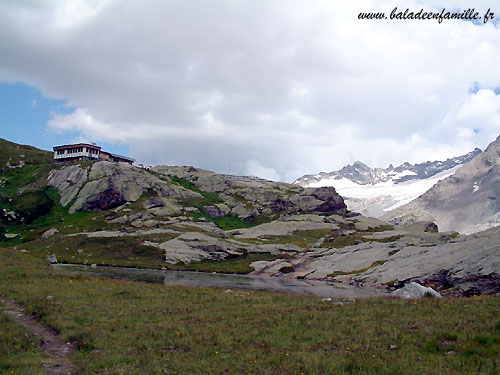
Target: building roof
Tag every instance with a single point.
(123, 157)
(118, 156)
(76, 145)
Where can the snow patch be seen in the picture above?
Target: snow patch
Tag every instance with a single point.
(401, 193)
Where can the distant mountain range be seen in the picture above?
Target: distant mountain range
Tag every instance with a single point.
(375, 191)
(467, 202)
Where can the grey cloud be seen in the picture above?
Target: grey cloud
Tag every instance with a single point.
(290, 86)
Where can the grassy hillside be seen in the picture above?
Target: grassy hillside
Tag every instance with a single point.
(14, 153)
(24, 196)
(136, 328)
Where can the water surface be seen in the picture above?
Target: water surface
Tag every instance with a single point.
(222, 280)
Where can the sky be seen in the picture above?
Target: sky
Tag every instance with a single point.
(271, 88)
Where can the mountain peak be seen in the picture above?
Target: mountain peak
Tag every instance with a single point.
(362, 174)
(358, 163)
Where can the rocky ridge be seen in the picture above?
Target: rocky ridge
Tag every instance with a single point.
(362, 174)
(467, 202)
(375, 191)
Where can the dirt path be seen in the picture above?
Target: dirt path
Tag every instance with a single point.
(54, 346)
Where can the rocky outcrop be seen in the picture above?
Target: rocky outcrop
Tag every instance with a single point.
(423, 226)
(106, 185)
(194, 246)
(217, 211)
(109, 185)
(467, 202)
(160, 206)
(470, 264)
(282, 227)
(249, 197)
(68, 180)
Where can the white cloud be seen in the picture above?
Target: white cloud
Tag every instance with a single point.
(481, 108)
(277, 88)
(254, 168)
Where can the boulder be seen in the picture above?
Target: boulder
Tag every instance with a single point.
(414, 290)
(422, 226)
(332, 201)
(216, 211)
(281, 228)
(52, 259)
(49, 233)
(244, 212)
(194, 246)
(119, 220)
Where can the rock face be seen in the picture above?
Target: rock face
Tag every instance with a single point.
(107, 185)
(193, 246)
(470, 263)
(159, 206)
(282, 227)
(217, 211)
(467, 202)
(249, 197)
(68, 180)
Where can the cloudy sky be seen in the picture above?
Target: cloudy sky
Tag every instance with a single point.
(270, 88)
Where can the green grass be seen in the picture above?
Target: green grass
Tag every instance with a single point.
(46, 212)
(28, 206)
(14, 153)
(137, 328)
(20, 352)
(37, 206)
(227, 222)
(209, 198)
(21, 177)
(129, 251)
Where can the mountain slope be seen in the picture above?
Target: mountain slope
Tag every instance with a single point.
(13, 155)
(374, 191)
(185, 218)
(468, 201)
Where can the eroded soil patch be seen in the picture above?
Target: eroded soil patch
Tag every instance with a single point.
(53, 345)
